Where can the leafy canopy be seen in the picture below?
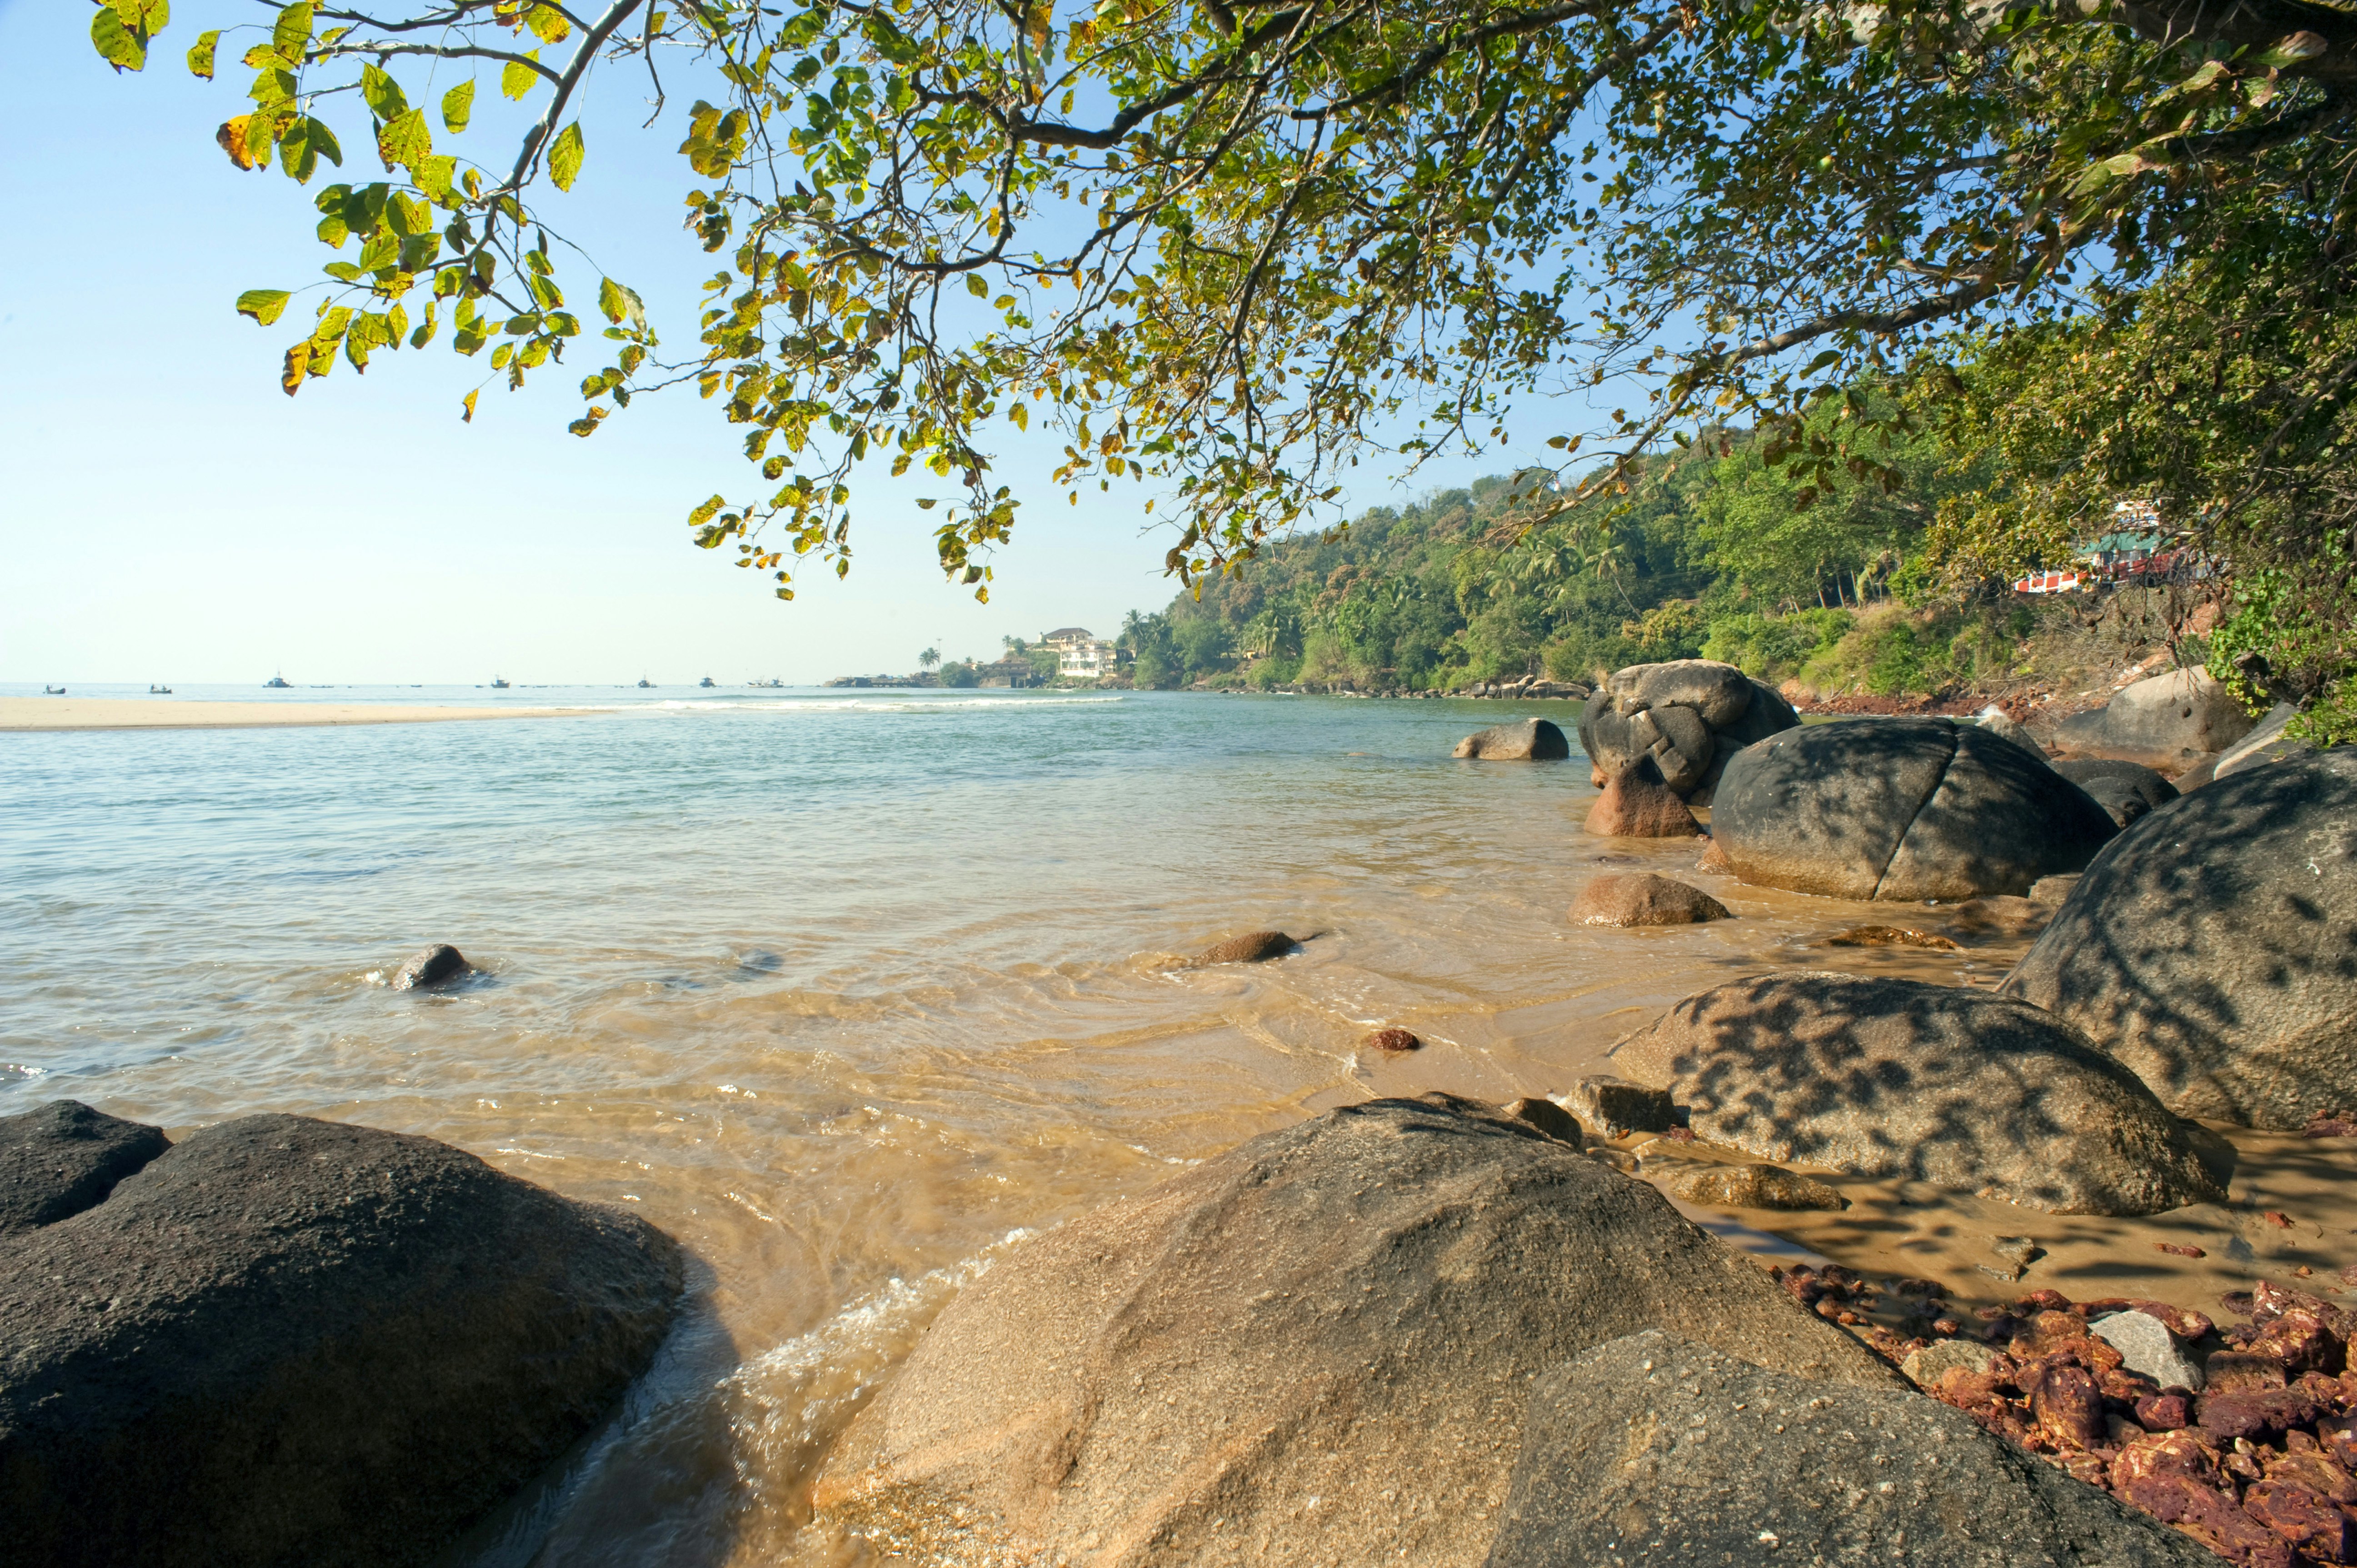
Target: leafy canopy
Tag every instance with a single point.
(1225, 245)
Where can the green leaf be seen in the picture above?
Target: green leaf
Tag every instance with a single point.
(976, 287)
(547, 24)
(405, 141)
(308, 141)
(145, 17)
(293, 31)
(515, 80)
(458, 106)
(201, 54)
(264, 304)
(383, 94)
(565, 156)
(117, 44)
(434, 175)
(620, 303)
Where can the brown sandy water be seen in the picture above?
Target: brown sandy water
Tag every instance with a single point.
(847, 991)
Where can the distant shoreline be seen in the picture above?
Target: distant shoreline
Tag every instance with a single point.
(26, 713)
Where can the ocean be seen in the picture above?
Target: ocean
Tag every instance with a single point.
(844, 988)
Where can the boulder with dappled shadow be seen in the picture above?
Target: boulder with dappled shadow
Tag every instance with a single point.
(2213, 947)
(1901, 808)
(1894, 1078)
(2126, 791)
(1686, 717)
(1316, 1347)
(2165, 721)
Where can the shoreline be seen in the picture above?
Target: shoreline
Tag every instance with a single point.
(34, 715)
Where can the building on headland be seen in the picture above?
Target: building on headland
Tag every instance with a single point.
(1080, 655)
(1011, 670)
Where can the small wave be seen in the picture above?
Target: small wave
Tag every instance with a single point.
(878, 706)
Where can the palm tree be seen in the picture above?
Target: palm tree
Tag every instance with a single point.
(929, 658)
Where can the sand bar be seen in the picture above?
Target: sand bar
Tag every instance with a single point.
(132, 712)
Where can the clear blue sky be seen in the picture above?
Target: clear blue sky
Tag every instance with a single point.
(167, 513)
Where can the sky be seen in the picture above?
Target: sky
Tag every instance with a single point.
(167, 514)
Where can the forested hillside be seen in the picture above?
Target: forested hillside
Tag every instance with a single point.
(1711, 553)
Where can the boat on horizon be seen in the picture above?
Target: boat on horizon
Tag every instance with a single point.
(498, 683)
(278, 683)
(645, 684)
(708, 683)
(160, 690)
(53, 691)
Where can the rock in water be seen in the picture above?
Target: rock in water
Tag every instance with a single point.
(1252, 946)
(1653, 1449)
(2126, 791)
(1637, 805)
(2211, 948)
(437, 965)
(1894, 1078)
(1348, 1310)
(1524, 740)
(1641, 899)
(1687, 717)
(297, 1342)
(2164, 720)
(1720, 694)
(1900, 809)
(64, 1157)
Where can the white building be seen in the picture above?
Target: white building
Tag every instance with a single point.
(1080, 655)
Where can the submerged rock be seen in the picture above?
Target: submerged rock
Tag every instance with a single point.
(1653, 1449)
(1642, 898)
(1348, 1310)
(297, 1342)
(437, 965)
(1252, 946)
(63, 1157)
(2213, 947)
(1900, 809)
(1524, 740)
(2126, 791)
(1893, 1078)
(2165, 721)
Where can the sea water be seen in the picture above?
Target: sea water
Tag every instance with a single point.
(848, 990)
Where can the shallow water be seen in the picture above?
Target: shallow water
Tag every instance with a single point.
(840, 988)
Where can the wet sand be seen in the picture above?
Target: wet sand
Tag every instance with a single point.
(119, 713)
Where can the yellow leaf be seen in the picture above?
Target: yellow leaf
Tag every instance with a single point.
(231, 137)
(469, 417)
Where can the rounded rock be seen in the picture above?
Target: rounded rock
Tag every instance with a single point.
(1642, 898)
(437, 965)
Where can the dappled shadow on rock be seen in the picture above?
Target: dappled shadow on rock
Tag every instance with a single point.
(2213, 946)
(1959, 1088)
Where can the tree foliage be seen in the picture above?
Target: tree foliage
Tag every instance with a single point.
(1224, 246)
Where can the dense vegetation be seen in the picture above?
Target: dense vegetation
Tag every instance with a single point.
(1711, 553)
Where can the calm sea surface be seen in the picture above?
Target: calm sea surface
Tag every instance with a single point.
(843, 989)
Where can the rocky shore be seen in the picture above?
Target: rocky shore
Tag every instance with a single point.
(1828, 1268)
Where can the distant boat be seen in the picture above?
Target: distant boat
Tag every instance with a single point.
(278, 683)
(160, 690)
(53, 691)
(707, 681)
(498, 684)
(645, 684)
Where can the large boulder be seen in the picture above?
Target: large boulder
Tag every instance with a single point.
(2268, 742)
(296, 1342)
(1655, 1449)
(1314, 1348)
(1900, 808)
(2163, 721)
(1686, 717)
(1894, 1078)
(1637, 804)
(1524, 740)
(2212, 947)
(2126, 791)
(63, 1157)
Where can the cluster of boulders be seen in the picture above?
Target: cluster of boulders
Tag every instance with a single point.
(1527, 687)
(1688, 718)
(285, 1341)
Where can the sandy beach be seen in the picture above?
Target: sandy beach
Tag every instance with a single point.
(119, 713)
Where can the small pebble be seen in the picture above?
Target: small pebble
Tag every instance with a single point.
(1390, 1040)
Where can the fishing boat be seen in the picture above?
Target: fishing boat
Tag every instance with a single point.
(278, 683)
(160, 690)
(645, 684)
(708, 683)
(499, 685)
(53, 691)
